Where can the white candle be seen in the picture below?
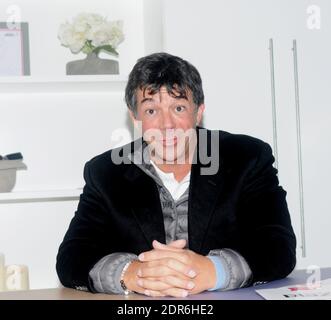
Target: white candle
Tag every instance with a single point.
(17, 277)
(2, 272)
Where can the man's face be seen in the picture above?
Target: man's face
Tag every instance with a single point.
(168, 123)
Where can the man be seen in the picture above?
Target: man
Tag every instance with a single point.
(181, 210)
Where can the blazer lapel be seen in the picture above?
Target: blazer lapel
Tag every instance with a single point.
(203, 195)
(146, 207)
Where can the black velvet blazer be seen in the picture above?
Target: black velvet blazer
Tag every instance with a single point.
(241, 207)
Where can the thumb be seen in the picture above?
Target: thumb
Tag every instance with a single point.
(180, 243)
(175, 245)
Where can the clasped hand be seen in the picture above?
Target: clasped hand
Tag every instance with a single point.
(170, 270)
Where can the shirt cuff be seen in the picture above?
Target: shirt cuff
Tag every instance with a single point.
(220, 273)
(106, 273)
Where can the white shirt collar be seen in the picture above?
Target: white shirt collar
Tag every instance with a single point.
(175, 188)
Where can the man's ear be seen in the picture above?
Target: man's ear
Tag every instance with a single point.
(137, 124)
(133, 118)
(200, 112)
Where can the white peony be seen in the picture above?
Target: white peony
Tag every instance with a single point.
(107, 33)
(84, 21)
(116, 35)
(70, 38)
(98, 35)
(90, 31)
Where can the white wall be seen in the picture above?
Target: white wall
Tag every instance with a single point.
(58, 133)
(219, 38)
(30, 234)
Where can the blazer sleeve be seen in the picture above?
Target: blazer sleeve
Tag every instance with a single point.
(84, 242)
(267, 239)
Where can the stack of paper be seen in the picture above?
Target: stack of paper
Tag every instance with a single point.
(311, 291)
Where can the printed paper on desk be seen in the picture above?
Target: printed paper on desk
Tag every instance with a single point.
(317, 291)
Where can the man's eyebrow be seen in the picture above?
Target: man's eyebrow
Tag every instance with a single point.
(181, 97)
(145, 99)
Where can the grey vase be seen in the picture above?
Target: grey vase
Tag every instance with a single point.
(92, 64)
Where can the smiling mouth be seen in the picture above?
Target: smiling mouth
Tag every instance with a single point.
(169, 142)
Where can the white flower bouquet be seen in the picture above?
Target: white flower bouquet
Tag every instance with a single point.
(90, 32)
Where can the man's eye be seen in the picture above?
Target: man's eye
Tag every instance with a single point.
(150, 111)
(180, 108)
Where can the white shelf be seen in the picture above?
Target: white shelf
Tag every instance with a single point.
(86, 83)
(40, 195)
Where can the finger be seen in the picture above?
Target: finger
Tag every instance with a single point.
(156, 254)
(140, 290)
(171, 246)
(154, 293)
(176, 245)
(161, 268)
(175, 292)
(179, 244)
(178, 282)
(166, 283)
(173, 281)
(152, 284)
(175, 265)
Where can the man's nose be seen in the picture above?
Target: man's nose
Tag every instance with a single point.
(167, 121)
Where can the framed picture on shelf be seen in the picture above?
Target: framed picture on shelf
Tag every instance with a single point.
(14, 49)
